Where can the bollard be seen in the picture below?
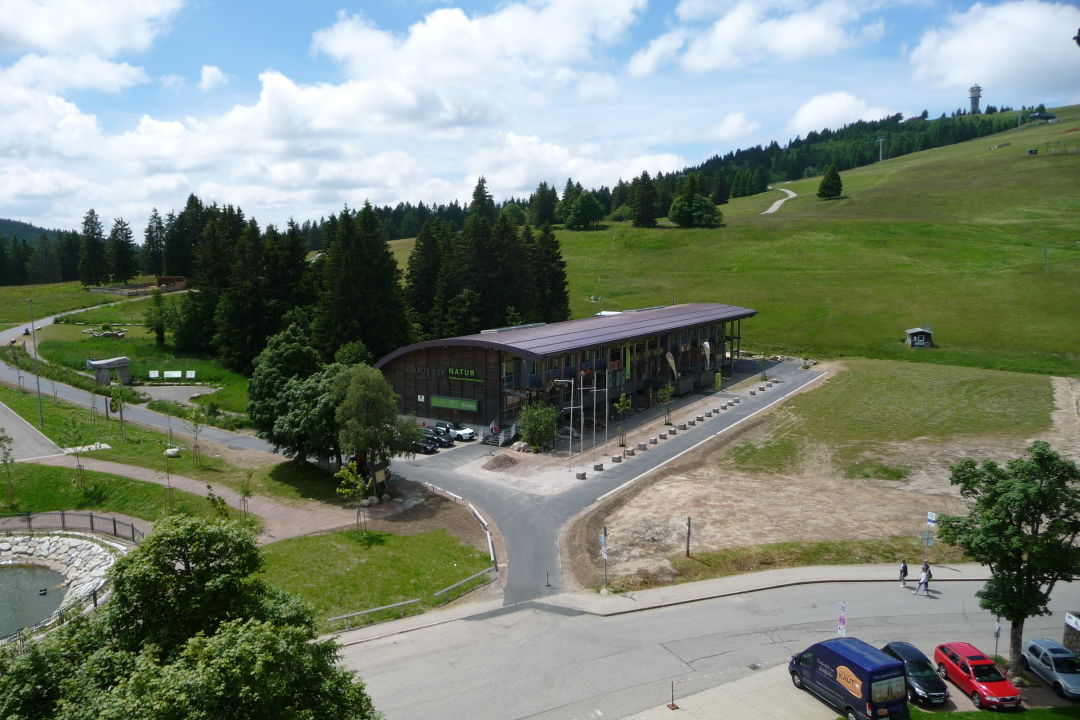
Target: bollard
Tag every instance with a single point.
(690, 423)
(663, 436)
(642, 446)
(701, 418)
(598, 467)
(682, 426)
(708, 413)
(616, 458)
(628, 452)
(581, 476)
(652, 441)
(753, 392)
(673, 431)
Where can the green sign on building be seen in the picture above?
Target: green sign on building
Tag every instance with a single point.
(454, 403)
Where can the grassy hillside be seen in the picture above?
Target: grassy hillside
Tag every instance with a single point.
(952, 237)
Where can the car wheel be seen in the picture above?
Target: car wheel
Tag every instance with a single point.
(1024, 662)
(912, 697)
(976, 701)
(941, 672)
(1059, 690)
(851, 715)
(796, 680)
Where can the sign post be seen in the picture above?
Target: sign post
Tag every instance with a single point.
(603, 553)
(841, 621)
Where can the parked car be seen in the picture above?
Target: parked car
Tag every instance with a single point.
(975, 675)
(425, 445)
(854, 677)
(924, 687)
(1054, 663)
(441, 439)
(457, 430)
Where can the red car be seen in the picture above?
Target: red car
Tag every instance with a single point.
(976, 675)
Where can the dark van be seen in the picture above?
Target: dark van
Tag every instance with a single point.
(854, 677)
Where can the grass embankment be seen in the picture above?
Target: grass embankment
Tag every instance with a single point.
(357, 571)
(952, 237)
(857, 413)
(134, 445)
(68, 346)
(44, 488)
(48, 299)
(1059, 713)
(736, 561)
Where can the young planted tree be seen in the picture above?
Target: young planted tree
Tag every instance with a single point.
(74, 436)
(831, 187)
(664, 395)
(157, 317)
(354, 487)
(195, 422)
(622, 406)
(1023, 526)
(116, 404)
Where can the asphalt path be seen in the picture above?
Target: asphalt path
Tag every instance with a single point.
(788, 194)
(530, 524)
(543, 662)
(27, 440)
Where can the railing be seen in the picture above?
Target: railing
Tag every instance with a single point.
(74, 521)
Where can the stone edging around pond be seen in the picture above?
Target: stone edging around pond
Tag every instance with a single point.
(84, 563)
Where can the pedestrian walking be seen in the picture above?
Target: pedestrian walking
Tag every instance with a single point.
(924, 581)
(903, 573)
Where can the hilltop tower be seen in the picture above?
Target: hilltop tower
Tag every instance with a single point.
(976, 93)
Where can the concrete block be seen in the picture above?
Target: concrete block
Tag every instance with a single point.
(701, 418)
(628, 452)
(663, 436)
(616, 458)
(652, 441)
(581, 476)
(642, 446)
(598, 467)
(753, 392)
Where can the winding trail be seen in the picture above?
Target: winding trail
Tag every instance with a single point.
(776, 205)
(280, 520)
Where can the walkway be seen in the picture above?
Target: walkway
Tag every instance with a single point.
(279, 520)
(776, 205)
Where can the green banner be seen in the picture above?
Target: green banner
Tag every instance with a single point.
(626, 362)
(454, 403)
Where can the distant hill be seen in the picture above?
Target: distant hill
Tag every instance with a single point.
(25, 231)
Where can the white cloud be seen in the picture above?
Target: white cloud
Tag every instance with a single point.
(40, 123)
(211, 77)
(733, 127)
(82, 26)
(833, 110)
(659, 51)
(20, 184)
(56, 74)
(1016, 50)
(596, 87)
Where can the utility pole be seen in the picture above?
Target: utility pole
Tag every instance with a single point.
(880, 149)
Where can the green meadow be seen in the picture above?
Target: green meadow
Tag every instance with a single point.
(980, 244)
(48, 300)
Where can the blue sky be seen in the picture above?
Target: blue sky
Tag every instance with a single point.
(294, 109)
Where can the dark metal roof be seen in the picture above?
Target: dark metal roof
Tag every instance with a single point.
(539, 341)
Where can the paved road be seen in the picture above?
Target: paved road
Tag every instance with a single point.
(27, 440)
(545, 660)
(530, 524)
(776, 205)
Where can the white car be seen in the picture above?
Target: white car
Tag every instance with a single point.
(457, 430)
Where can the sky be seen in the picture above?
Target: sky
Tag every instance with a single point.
(297, 109)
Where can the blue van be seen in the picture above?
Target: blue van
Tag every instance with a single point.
(854, 677)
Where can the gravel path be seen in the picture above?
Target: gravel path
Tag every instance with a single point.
(279, 520)
(776, 205)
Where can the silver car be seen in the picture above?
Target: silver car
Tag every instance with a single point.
(1054, 663)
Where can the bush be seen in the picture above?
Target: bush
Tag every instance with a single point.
(537, 423)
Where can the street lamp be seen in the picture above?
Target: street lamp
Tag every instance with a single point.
(570, 449)
(37, 364)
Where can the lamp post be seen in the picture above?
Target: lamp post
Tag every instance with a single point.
(570, 449)
(37, 364)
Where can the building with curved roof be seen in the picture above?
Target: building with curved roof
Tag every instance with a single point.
(487, 377)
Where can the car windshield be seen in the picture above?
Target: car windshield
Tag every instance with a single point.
(1069, 665)
(987, 673)
(920, 668)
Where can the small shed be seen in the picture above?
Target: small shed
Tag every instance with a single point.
(920, 338)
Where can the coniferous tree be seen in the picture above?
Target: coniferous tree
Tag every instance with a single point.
(287, 275)
(93, 264)
(121, 252)
(552, 293)
(152, 259)
(182, 233)
(44, 267)
(643, 201)
(19, 261)
(239, 316)
(542, 205)
(722, 190)
(831, 185)
(194, 329)
(422, 274)
(68, 255)
(4, 275)
(482, 203)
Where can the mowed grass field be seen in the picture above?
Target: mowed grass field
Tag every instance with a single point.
(873, 403)
(48, 300)
(952, 237)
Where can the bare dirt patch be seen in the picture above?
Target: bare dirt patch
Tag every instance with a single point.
(647, 522)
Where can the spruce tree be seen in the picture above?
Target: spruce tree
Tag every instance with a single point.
(93, 264)
(831, 186)
(153, 249)
(422, 274)
(288, 275)
(121, 252)
(643, 201)
(482, 203)
(553, 295)
(240, 313)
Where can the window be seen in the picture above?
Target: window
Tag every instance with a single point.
(887, 689)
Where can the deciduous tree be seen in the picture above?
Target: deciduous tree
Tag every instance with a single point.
(1023, 525)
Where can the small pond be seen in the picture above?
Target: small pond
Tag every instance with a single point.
(21, 599)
